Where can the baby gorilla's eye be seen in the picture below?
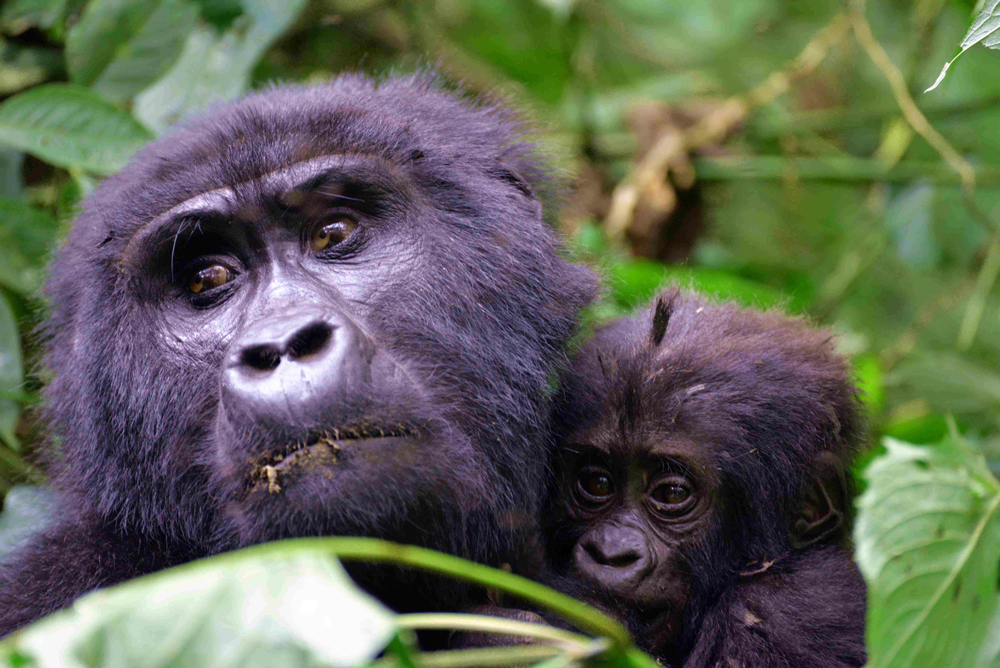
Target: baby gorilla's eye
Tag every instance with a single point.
(594, 485)
(332, 233)
(671, 494)
(672, 497)
(208, 278)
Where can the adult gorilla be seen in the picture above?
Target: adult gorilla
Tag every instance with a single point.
(319, 311)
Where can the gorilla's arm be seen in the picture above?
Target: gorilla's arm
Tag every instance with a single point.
(807, 610)
(76, 555)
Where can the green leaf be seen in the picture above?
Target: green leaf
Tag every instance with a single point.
(868, 377)
(26, 511)
(26, 237)
(264, 607)
(11, 373)
(220, 13)
(985, 29)
(120, 47)
(71, 126)
(928, 543)
(19, 14)
(636, 281)
(215, 67)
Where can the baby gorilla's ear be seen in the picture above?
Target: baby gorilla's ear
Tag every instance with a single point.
(824, 503)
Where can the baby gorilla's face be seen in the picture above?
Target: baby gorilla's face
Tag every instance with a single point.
(637, 508)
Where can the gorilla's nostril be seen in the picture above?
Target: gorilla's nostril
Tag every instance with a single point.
(264, 357)
(611, 557)
(309, 340)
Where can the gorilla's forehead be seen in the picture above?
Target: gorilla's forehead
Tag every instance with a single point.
(403, 122)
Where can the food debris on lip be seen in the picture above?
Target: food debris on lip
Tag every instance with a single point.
(322, 452)
(272, 479)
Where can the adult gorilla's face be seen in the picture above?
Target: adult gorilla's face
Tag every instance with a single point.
(321, 311)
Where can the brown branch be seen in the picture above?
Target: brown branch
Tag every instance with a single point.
(672, 149)
(912, 113)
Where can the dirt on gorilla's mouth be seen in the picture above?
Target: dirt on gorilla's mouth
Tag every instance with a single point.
(321, 451)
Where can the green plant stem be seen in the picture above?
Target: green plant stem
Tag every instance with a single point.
(593, 648)
(373, 550)
(977, 300)
(20, 396)
(494, 625)
(472, 658)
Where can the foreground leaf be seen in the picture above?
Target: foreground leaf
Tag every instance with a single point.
(928, 543)
(258, 608)
(71, 126)
(985, 29)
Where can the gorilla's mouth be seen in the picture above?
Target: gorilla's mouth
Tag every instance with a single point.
(320, 451)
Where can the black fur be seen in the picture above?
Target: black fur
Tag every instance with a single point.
(754, 412)
(454, 283)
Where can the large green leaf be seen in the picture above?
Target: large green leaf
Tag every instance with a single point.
(264, 607)
(11, 373)
(214, 67)
(928, 543)
(26, 510)
(71, 126)
(18, 14)
(120, 47)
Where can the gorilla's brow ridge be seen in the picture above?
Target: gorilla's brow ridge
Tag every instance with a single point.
(310, 175)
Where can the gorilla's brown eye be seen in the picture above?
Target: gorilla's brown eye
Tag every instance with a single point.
(671, 494)
(332, 233)
(208, 278)
(595, 484)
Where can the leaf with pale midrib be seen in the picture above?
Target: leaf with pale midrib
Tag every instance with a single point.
(928, 543)
(70, 126)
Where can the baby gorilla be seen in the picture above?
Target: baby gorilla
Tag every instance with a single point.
(701, 495)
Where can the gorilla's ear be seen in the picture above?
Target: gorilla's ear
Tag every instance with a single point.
(824, 503)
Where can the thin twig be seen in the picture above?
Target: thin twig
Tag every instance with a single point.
(912, 113)
(651, 172)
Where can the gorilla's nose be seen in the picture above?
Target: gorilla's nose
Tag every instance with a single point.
(290, 365)
(614, 555)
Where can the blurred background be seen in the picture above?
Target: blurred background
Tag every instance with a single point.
(776, 152)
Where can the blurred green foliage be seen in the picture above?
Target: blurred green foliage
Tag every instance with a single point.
(821, 199)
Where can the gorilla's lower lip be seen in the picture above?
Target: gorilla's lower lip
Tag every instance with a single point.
(321, 451)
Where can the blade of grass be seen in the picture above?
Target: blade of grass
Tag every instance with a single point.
(486, 657)
(495, 625)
